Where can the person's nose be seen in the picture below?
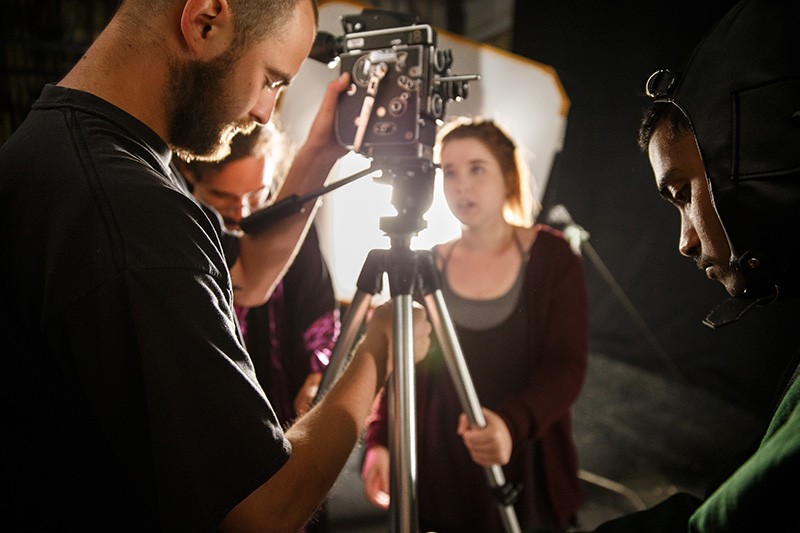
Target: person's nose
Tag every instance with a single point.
(262, 110)
(245, 208)
(239, 213)
(235, 211)
(461, 182)
(689, 244)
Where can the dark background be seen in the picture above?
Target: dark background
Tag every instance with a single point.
(603, 52)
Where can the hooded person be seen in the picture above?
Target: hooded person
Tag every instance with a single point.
(745, 114)
(723, 138)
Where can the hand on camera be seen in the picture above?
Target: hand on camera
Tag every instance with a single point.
(489, 445)
(321, 137)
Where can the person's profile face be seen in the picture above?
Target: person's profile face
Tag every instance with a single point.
(235, 190)
(681, 180)
(200, 120)
(210, 101)
(473, 182)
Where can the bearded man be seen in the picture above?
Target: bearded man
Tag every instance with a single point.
(132, 404)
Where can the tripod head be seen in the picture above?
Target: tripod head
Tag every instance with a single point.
(412, 195)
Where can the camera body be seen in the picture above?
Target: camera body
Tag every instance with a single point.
(400, 85)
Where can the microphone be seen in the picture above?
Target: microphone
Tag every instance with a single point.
(558, 214)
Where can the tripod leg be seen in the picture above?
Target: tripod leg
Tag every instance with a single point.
(369, 283)
(404, 443)
(459, 372)
(343, 350)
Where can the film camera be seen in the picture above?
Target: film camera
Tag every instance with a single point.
(400, 84)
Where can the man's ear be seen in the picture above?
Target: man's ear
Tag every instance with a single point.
(206, 27)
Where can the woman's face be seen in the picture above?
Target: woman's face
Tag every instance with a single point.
(473, 182)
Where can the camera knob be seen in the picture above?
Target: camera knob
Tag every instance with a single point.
(437, 106)
(442, 59)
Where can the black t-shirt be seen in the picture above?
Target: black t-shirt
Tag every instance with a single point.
(131, 402)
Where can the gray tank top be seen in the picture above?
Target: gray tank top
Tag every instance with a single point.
(483, 314)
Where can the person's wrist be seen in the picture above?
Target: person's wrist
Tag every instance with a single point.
(321, 154)
(378, 346)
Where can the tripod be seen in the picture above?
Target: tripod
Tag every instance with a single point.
(412, 273)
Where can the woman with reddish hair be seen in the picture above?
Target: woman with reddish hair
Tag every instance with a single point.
(516, 294)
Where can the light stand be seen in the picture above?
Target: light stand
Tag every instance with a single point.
(579, 241)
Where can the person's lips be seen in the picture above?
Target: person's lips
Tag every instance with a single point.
(464, 205)
(707, 266)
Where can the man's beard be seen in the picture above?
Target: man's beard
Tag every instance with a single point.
(198, 121)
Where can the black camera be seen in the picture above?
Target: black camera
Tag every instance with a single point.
(400, 84)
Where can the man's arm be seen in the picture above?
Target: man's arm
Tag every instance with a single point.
(264, 258)
(323, 439)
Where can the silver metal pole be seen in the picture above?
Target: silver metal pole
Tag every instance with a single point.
(459, 373)
(403, 424)
(343, 349)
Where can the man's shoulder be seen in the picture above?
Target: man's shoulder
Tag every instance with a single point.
(67, 126)
(111, 200)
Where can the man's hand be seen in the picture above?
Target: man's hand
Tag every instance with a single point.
(379, 334)
(321, 137)
(489, 445)
(307, 393)
(375, 475)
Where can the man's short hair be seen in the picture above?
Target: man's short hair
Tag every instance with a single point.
(664, 114)
(253, 19)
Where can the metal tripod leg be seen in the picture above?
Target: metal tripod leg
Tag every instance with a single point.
(401, 267)
(370, 282)
(343, 349)
(459, 373)
(405, 270)
(403, 446)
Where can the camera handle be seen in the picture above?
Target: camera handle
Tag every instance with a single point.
(377, 74)
(412, 273)
(263, 218)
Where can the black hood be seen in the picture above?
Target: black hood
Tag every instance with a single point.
(741, 93)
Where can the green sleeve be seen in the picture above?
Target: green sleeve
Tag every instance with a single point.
(763, 491)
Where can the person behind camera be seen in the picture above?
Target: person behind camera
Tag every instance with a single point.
(132, 404)
(291, 337)
(516, 295)
(722, 140)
